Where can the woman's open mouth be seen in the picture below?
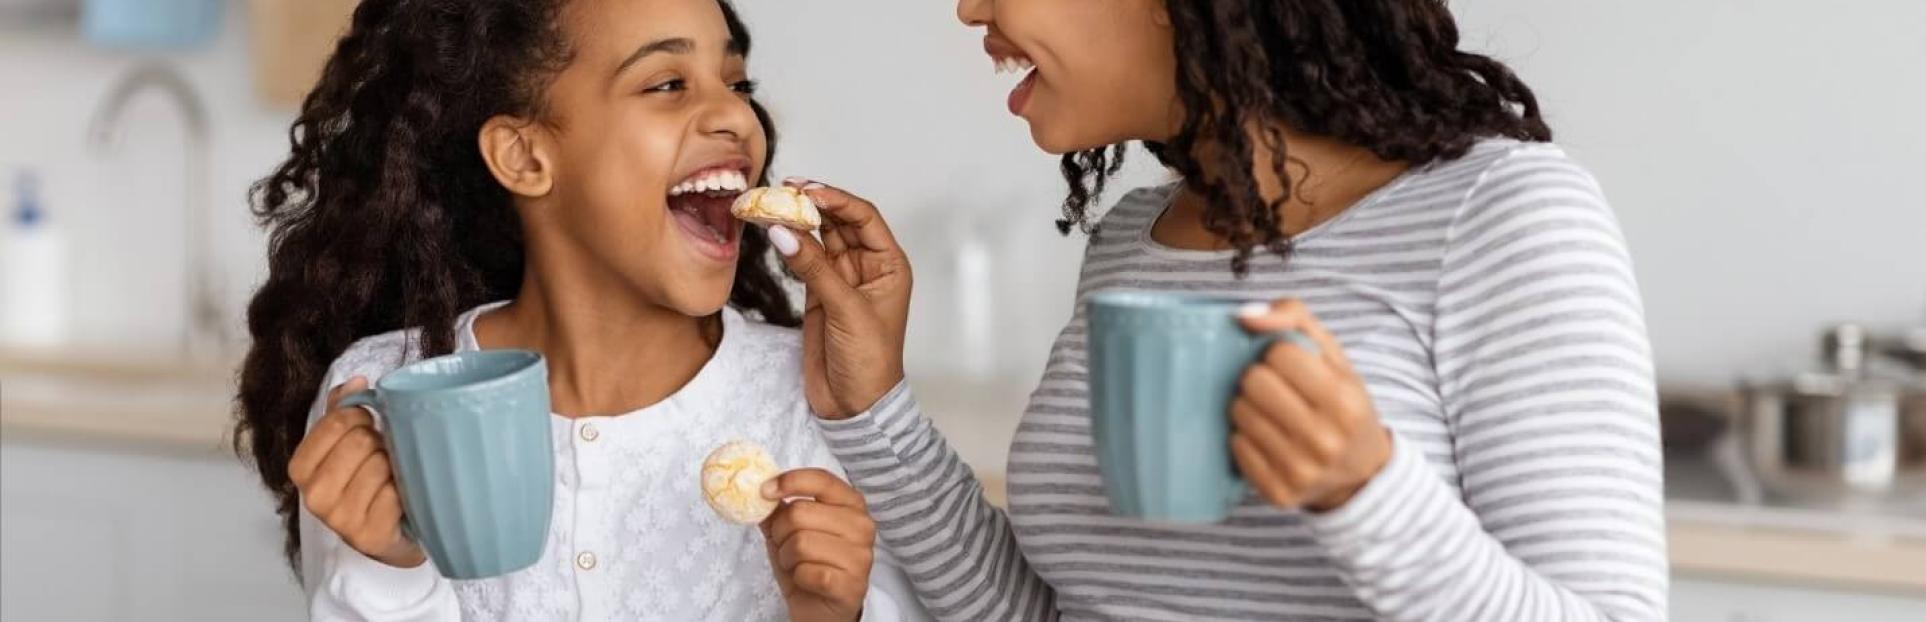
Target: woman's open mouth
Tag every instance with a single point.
(1011, 59)
(700, 208)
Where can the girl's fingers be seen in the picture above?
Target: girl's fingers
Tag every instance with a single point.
(805, 515)
(328, 431)
(357, 499)
(385, 508)
(842, 587)
(330, 479)
(823, 548)
(1269, 440)
(815, 484)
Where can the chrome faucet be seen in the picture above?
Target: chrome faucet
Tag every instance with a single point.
(207, 331)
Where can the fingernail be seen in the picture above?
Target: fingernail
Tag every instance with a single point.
(784, 241)
(813, 186)
(794, 181)
(769, 489)
(1253, 310)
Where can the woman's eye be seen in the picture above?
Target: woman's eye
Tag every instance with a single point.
(666, 87)
(745, 87)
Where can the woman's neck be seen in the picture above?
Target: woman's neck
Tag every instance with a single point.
(609, 350)
(1326, 177)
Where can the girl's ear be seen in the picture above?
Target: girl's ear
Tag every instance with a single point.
(518, 154)
(1160, 14)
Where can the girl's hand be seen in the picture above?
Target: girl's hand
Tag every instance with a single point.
(1305, 433)
(820, 546)
(342, 471)
(858, 283)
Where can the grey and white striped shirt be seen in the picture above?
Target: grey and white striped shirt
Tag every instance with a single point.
(1490, 306)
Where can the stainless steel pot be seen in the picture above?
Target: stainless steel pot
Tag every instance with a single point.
(1837, 435)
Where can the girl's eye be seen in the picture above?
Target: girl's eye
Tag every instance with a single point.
(745, 87)
(666, 87)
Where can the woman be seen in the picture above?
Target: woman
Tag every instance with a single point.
(1477, 439)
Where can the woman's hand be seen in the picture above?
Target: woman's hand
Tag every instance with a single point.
(820, 545)
(1305, 433)
(858, 283)
(342, 471)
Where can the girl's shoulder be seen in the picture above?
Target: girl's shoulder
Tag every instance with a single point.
(373, 357)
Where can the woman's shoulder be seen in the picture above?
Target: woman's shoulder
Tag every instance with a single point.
(1500, 164)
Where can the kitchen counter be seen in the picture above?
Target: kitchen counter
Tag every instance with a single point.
(150, 401)
(1712, 532)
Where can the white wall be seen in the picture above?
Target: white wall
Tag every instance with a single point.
(1763, 155)
(1757, 153)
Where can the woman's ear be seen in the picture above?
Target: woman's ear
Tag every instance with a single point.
(518, 154)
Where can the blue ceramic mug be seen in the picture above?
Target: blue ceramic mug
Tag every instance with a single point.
(468, 435)
(1164, 368)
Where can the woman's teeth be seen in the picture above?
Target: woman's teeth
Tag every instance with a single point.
(713, 181)
(1016, 64)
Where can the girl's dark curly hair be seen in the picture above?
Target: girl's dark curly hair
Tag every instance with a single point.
(1385, 75)
(384, 215)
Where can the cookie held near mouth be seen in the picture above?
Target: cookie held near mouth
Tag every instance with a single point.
(779, 205)
(732, 478)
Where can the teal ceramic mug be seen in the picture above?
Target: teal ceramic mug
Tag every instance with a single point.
(468, 435)
(1164, 368)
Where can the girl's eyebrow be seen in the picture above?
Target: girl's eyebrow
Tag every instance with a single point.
(675, 45)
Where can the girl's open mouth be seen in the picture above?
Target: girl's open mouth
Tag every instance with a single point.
(700, 207)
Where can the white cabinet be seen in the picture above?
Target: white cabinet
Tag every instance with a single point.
(1712, 599)
(98, 531)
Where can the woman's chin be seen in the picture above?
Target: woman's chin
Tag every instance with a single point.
(1055, 139)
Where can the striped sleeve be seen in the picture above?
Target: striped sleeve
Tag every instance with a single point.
(958, 550)
(1545, 373)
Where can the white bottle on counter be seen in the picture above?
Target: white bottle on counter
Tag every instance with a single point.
(33, 282)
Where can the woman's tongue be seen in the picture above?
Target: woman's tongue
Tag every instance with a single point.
(705, 218)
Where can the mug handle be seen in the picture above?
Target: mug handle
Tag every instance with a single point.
(369, 400)
(1296, 338)
(365, 399)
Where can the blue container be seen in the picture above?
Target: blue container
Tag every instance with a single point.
(1164, 368)
(151, 24)
(468, 434)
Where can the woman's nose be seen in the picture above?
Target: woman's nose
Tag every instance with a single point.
(975, 12)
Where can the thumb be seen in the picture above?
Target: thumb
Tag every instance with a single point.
(806, 258)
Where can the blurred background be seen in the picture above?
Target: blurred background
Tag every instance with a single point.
(1763, 157)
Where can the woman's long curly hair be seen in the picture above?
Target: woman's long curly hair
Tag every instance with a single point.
(384, 215)
(1385, 75)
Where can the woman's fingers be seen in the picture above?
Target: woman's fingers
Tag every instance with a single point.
(817, 270)
(1259, 473)
(1292, 314)
(856, 219)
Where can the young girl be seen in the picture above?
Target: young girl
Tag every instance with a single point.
(1474, 436)
(553, 175)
